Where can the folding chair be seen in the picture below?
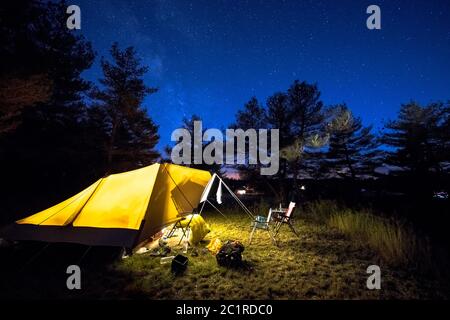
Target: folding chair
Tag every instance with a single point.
(284, 216)
(181, 222)
(262, 223)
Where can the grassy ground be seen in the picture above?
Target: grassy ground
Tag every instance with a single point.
(320, 264)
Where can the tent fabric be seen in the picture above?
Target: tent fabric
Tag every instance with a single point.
(87, 236)
(120, 210)
(63, 213)
(176, 193)
(120, 201)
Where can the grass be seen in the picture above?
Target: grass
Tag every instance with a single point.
(323, 263)
(395, 242)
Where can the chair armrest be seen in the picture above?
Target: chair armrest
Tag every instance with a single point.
(283, 216)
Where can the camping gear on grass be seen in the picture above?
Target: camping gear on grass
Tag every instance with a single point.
(284, 216)
(121, 209)
(230, 255)
(179, 264)
(198, 228)
(160, 251)
(165, 260)
(262, 223)
(214, 246)
(178, 225)
(194, 252)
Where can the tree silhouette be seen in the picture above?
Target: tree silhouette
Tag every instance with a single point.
(280, 117)
(353, 149)
(298, 115)
(420, 142)
(132, 135)
(17, 94)
(419, 138)
(308, 125)
(252, 116)
(188, 124)
(42, 108)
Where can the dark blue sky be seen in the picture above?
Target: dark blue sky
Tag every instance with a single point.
(209, 57)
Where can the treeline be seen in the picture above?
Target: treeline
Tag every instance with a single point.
(59, 132)
(322, 142)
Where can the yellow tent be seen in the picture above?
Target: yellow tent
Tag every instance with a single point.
(120, 210)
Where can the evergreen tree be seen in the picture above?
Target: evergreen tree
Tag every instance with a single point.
(43, 116)
(420, 147)
(17, 94)
(352, 150)
(280, 117)
(308, 125)
(131, 133)
(298, 116)
(253, 116)
(419, 138)
(188, 124)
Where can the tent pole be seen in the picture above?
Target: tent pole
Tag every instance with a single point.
(237, 199)
(216, 209)
(90, 196)
(176, 185)
(201, 209)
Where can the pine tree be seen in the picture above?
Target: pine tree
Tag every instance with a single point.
(419, 137)
(252, 116)
(352, 150)
(280, 117)
(42, 107)
(308, 123)
(188, 124)
(298, 116)
(131, 133)
(18, 94)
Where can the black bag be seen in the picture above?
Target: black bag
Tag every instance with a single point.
(230, 255)
(179, 264)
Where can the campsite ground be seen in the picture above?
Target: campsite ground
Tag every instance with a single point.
(320, 264)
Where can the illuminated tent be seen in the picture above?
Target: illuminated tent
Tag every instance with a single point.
(119, 210)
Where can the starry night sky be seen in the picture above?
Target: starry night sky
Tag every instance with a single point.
(209, 57)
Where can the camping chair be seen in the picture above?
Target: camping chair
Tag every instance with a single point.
(262, 223)
(180, 224)
(284, 216)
